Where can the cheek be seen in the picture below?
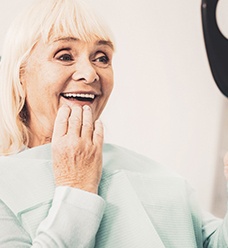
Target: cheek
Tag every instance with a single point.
(39, 92)
(42, 83)
(31, 80)
(108, 83)
(109, 89)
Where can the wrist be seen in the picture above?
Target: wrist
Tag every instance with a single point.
(89, 187)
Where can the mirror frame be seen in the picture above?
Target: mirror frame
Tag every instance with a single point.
(216, 45)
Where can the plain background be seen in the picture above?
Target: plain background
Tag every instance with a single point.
(165, 103)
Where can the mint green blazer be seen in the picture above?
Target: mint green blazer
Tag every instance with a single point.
(146, 204)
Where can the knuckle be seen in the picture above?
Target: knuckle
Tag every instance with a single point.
(87, 125)
(75, 120)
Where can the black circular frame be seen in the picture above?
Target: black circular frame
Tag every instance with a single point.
(216, 45)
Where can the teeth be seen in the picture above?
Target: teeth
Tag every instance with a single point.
(91, 96)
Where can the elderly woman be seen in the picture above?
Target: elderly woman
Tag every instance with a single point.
(56, 77)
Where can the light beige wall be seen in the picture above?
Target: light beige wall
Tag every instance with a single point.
(165, 103)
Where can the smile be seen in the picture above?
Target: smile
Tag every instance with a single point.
(79, 96)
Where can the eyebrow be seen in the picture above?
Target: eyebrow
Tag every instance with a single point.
(106, 43)
(66, 39)
(99, 42)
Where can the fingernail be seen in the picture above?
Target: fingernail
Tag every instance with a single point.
(86, 107)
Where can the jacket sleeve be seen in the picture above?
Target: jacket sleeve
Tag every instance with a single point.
(215, 231)
(72, 221)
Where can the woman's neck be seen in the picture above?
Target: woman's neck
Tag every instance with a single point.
(38, 140)
(39, 136)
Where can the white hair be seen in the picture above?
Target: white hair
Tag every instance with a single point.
(47, 20)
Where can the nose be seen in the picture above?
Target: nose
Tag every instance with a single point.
(85, 71)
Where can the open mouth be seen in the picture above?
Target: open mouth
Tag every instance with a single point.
(79, 97)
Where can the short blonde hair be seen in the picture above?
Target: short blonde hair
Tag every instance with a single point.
(46, 20)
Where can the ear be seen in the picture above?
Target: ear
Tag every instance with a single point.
(22, 75)
(22, 82)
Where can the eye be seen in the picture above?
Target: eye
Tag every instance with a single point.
(101, 60)
(65, 57)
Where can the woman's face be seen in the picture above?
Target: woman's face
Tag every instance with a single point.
(67, 71)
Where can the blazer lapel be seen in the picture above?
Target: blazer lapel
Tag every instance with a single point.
(125, 223)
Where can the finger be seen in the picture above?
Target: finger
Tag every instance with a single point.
(87, 123)
(98, 134)
(61, 121)
(75, 121)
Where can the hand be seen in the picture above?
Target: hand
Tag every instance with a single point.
(77, 148)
